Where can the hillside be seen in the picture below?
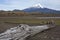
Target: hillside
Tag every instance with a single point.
(16, 13)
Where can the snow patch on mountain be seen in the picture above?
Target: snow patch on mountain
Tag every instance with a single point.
(38, 6)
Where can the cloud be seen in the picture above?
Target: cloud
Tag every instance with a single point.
(15, 4)
(21, 4)
(54, 4)
(10, 4)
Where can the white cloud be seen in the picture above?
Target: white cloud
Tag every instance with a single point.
(54, 4)
(21, 4)
(10, 4)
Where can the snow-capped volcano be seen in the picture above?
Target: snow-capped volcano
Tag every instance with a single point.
(37, 6)
(40, 8)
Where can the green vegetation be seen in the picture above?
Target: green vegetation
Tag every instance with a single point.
(21, 14)
(28, 21)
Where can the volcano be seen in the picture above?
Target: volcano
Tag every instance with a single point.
(40, 8)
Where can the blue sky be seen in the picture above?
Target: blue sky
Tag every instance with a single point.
(22, 4)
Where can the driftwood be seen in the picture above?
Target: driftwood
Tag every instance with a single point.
(22, 31)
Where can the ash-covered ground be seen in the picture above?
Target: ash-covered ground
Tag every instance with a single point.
(50, 34)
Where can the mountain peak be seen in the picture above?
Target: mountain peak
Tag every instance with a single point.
(38, 5)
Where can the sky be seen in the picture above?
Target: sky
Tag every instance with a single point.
(22, 4)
